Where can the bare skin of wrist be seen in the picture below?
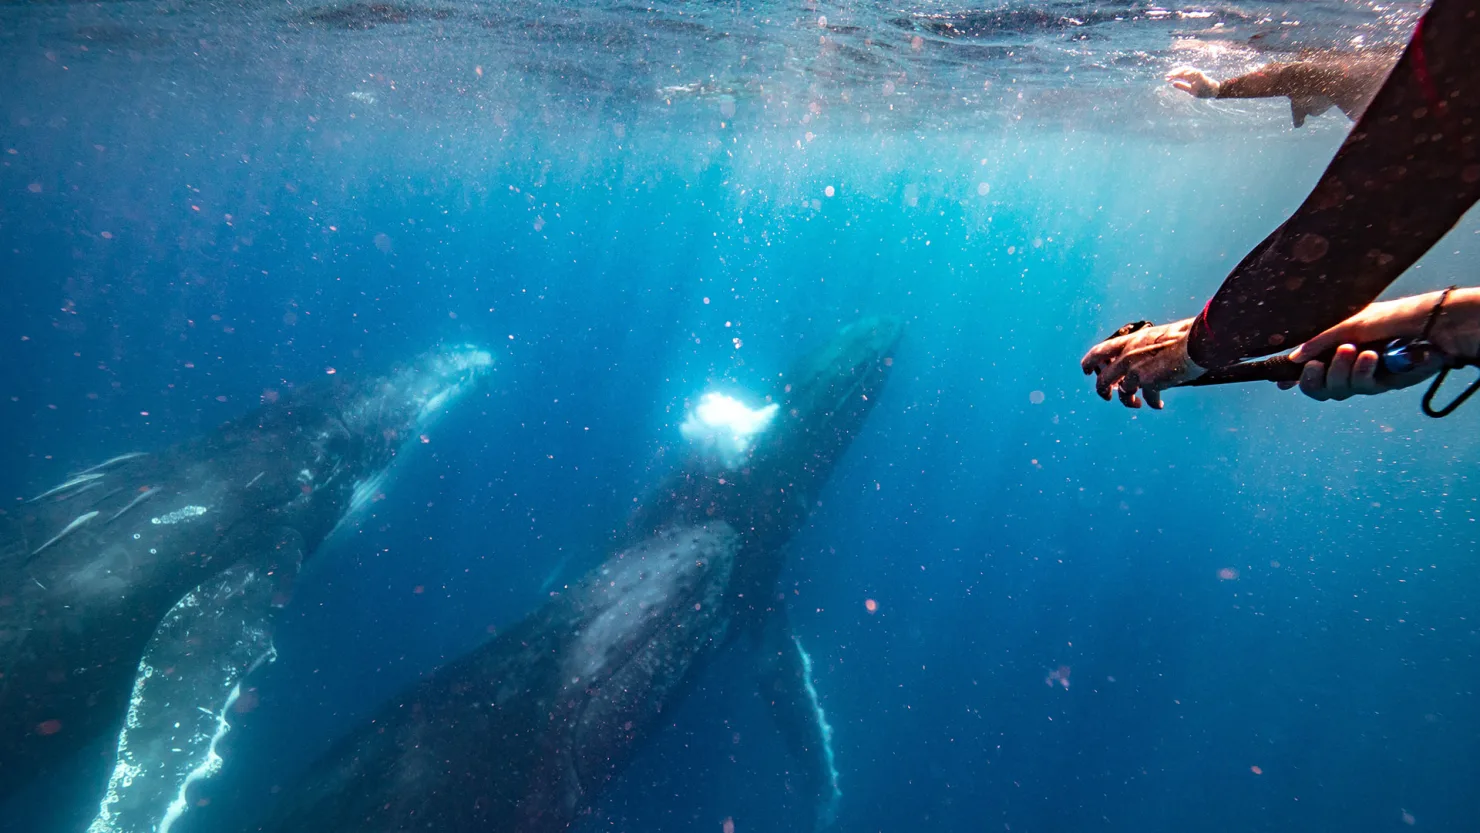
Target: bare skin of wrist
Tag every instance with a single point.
(1456, 332)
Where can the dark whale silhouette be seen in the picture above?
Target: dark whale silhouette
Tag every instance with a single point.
(526, 731)
(137, 592)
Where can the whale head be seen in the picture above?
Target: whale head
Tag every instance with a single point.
(824, 400)
(757, 463)
(373, 420)
(413, 396)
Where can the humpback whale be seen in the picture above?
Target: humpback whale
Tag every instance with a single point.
(137, 592)
(524, 733)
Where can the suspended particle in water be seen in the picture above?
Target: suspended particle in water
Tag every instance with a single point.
(829, 191)
(1227, 574)
(729, 825)
(1256, 770)
(983, 189)
(1036, 397)
(1058, 676)
(870, 605)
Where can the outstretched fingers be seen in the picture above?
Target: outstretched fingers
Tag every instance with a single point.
(1101, 355)
(1192, 80)
(1108, 376)
(1120, 374)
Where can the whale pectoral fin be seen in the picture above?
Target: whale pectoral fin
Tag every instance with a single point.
(189, 683)
(785, 671)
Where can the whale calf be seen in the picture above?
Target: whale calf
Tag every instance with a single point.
(135, 594)
(525, 732)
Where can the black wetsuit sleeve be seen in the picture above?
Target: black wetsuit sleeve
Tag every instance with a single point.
(1404, 176)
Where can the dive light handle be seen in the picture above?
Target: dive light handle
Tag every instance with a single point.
(1393, 357)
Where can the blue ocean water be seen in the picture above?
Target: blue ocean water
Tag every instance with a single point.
(1263, 606)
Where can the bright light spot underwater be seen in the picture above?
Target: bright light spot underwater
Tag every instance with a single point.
(724, 427)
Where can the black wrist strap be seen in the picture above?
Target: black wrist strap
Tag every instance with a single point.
(1428, 324)
(1428, 398)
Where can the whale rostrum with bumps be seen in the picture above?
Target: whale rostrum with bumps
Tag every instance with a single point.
(525, 732)
(136, 594)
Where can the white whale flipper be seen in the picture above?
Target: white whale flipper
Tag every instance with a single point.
(786, 682)
(188, 683)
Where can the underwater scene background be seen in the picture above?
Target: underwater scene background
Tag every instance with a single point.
(1027, 610)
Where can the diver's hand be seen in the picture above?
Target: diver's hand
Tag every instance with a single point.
(1148, 360)
(1355, 374)
(1456, 331)
(1193, 81)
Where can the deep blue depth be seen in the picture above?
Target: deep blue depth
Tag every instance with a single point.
(1267, 605)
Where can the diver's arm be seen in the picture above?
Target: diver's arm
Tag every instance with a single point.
(1347, 80)
(1404, 176)
(1270, 81)
(1455, 332)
